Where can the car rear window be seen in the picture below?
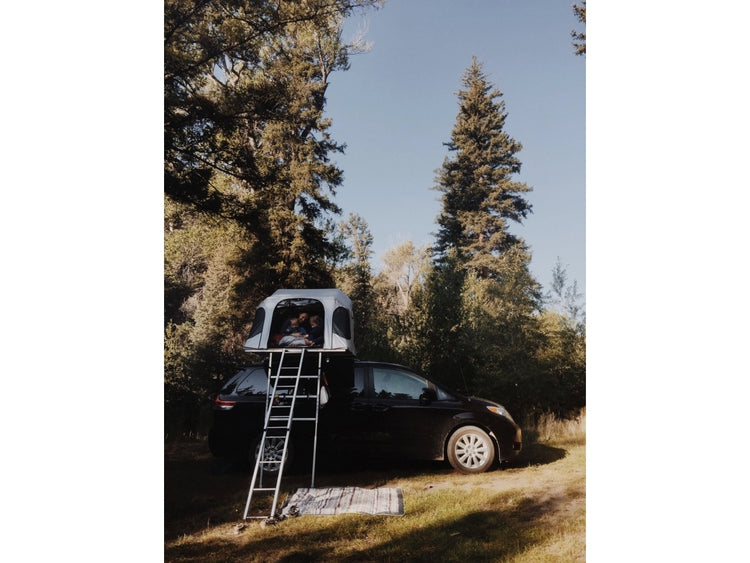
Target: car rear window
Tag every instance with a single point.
(249, 381)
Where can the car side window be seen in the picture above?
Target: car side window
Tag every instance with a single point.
(254, 382)
(358, 390)
(396, 384)
(348, 383)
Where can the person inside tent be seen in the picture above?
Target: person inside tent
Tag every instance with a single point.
(293, 334)
(315, 335)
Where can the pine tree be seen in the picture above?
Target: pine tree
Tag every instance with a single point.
(293, 153)
(479, 196)
(480, 299)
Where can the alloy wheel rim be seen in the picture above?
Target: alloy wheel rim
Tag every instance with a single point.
(472, 451)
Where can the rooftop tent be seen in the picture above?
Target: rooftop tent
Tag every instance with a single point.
(331, 305)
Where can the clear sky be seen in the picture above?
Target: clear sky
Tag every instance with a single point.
(396, 106)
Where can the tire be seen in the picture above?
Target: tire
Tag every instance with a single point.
(274, 450)
(471, 450)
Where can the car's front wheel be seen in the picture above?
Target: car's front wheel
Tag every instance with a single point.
(471, 450)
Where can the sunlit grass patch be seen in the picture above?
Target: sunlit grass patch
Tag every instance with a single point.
(533, 511)
(550, 428)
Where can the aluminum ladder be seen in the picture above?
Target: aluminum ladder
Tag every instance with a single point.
(281, 400)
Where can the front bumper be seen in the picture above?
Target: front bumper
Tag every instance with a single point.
(517, 442)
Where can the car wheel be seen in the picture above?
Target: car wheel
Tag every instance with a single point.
(471, 450)
(274, 451)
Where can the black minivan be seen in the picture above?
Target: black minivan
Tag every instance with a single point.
(375, 409)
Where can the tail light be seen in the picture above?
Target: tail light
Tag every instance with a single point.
(223, 405)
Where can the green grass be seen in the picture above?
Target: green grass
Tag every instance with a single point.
(534, 510)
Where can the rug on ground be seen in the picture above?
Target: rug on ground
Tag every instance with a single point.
(345, 500)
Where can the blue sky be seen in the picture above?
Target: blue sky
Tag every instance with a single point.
(397, 105)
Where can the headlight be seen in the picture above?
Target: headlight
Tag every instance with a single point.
(497, 409)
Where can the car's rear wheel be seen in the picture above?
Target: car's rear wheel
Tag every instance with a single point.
(274, 451)
(471, 450)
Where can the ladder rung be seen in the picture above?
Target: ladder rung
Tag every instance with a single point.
(286, 388)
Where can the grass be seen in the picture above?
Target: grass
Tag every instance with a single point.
(533, 510)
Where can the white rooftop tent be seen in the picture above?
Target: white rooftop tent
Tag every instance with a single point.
(332, 305)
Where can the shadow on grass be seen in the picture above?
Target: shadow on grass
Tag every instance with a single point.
(536, 454)
(200, 493)
(502, 531)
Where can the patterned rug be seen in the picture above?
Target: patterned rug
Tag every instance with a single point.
(345, 500)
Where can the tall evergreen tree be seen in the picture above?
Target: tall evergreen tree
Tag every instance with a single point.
(479, 195)
(479, 301)
(293, 153)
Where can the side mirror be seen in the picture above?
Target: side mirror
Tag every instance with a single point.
(428, 395)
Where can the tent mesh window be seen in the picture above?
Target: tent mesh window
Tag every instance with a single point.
(341, 324)
(290, 308)
(260, 317)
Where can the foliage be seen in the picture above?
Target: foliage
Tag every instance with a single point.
(479, 196)
(205, 313)
(579, 37)
(566, 297)
(354, 277)
(561, 365)
(436, 323)
(249, 208)
(248, 174)
(405, 269)
(232, 76)
(477, 316)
